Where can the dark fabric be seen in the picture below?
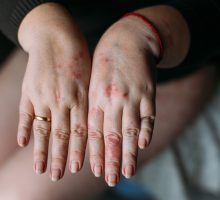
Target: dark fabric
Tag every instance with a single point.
(202, 16)
(6, 46)
(12, 14)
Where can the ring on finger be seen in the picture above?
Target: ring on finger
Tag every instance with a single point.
(40, 118)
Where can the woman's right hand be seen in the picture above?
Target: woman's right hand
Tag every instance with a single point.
(55, 86)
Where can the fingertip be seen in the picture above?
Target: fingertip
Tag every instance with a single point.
(143, 143)
(74, 167)
(112, 180)
(128, 171)
(97, 171)
(39, 167)
(22, 141)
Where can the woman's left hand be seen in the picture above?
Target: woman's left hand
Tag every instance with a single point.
(121, 98)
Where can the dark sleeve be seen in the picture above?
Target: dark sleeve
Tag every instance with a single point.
(12, 13)
(203, 19)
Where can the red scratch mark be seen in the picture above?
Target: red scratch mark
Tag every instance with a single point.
(57, 96)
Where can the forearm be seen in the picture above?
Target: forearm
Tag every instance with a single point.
(190, 48)
(49, 21)
(174, 33)
(13, 12)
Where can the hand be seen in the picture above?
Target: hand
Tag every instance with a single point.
(55, 86)
(121, 98)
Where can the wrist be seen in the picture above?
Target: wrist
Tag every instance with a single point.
(45, 23)
(144, 35)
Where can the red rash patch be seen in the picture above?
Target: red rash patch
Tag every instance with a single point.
(112, 90)
(106, 60)
(113, 147)
(77, 58)
(75, 75)
(95, 111)
(79, 129)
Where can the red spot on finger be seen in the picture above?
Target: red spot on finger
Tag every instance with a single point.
(111, 90)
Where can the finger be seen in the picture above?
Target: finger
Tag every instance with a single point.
(130, 132)
(113, 139)
(96, 140)
(26, 115)
(60, 141)
(147, 113)
(41, 139)
(78, 137)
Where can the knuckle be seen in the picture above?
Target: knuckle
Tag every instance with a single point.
(147, 130)
(40, 154)
(98, 157)
(131, 132)
(77, 153)
(95, 134)
(113, 138)
(79, 132)
(61, 134)
(25, 119)
(148, 120)
(112, 163)
(58, 159)
(130, 156)
(41, 132)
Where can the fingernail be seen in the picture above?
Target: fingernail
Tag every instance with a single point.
(143, 144)
(98, 170)
(55, 174)
(129, 171)
(39, 167)
(22, 141)
(74, 167)
(112, 180)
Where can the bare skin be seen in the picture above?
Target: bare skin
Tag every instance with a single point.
(55, 85)
(121, 96)
(123, 87)
(15, 167)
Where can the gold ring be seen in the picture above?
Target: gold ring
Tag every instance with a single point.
(39, 118)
